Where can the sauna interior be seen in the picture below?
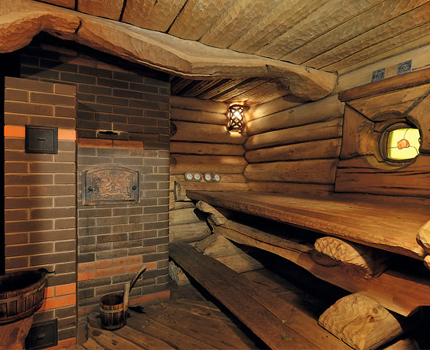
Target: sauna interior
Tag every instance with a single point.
(265, 164)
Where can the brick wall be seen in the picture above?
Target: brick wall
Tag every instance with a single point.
(123, 116)
(40, 195)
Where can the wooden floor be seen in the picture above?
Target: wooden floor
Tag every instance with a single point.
(187, 321)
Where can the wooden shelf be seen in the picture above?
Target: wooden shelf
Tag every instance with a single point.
(390, 226)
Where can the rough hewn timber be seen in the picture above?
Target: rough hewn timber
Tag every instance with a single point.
(20, 20)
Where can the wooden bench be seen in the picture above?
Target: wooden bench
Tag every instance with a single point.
(278, 323)
(386, 226)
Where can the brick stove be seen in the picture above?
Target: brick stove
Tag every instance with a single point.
(109, 113)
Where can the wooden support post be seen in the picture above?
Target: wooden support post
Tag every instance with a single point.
(423, 239)
(360, 322)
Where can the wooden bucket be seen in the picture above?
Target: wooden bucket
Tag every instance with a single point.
(112, 311)
(21, 294)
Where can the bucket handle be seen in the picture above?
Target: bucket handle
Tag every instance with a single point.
(134, 280)
(125, 299)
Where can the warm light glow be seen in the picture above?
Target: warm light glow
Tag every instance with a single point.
(235, 118)
(403, 144)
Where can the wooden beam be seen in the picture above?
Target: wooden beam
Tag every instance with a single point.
(108, 9)
(20, 20)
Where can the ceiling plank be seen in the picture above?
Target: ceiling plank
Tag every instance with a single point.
(224, 86)
(157, 50)
(63, 3)
(281, 18)
(238, 89)
(152, 14)
(375, 16)
(377, 36)
(108, 9)
(261, 94)
(323, 19)
(404, 50)
(178, 84)
(200, 87)
(198, 16)
(241, 16)
(384, 47)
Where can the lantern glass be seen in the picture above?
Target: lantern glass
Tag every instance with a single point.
(236, 118)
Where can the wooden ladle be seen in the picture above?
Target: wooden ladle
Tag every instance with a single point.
(128, 287)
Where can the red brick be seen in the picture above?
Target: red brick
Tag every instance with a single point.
(28, 108)
(29, 249)
(15, 191)
(16, 95)
(16, 119)
(54, 190)
(55, 303)
(66, 123)
(25, 226)
(143, 299)
(65, 223)
(64, 179)
(66, 112)
(17, 238)
(100, 264)
(11, 167)
(28, 179)
(15, 215)
(17, 263)
(111, 271)
(94, 143)
(49, 292)
(66, 135)
(14, 131)
(65, 201)
(84, 276)
(52, 167)
(51, 236)
(137, 259)
(37, 202)
(64, 89)
(65, 289)
(29, 85)
(164, 295)
(51, 99)
(128, 144)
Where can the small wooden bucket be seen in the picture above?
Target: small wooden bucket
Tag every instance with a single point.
(112, 311)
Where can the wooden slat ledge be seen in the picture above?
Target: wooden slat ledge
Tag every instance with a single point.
(387, 226)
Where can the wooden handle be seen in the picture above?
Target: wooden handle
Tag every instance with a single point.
(125, 298)
(133, 282)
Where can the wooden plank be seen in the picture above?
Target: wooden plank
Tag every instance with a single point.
(178, 84)
(358, 175)
(316, 171)
(183, 216)
(408, 22)
(363, 22)
(110, 340)
(322, 110)
(391, 289)
(242, 87)
(418, 34)
(262, 93)
(404, 81)
(153, 14)
(314, 25)
(176, 338)
(199, 322)
(197, 132)
(100, 8)
(223, 87)
(145, 341)
(224, 180)
(365, 222)
(304, 133)
(182, 163)
(198, 16)
(301, 151)
(91, 344)
(200, 87)
(242, 297)
(281, 17)
(235, 22)
(204, 148)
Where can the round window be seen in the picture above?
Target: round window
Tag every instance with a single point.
(400, 142)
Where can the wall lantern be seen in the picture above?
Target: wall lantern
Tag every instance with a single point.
(236, 117)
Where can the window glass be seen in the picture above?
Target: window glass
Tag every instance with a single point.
(403, 143)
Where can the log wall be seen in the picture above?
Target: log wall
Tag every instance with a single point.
(294, 147)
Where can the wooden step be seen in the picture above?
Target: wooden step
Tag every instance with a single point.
(276, 322)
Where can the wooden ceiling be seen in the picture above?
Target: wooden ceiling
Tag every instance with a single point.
(331, 35)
